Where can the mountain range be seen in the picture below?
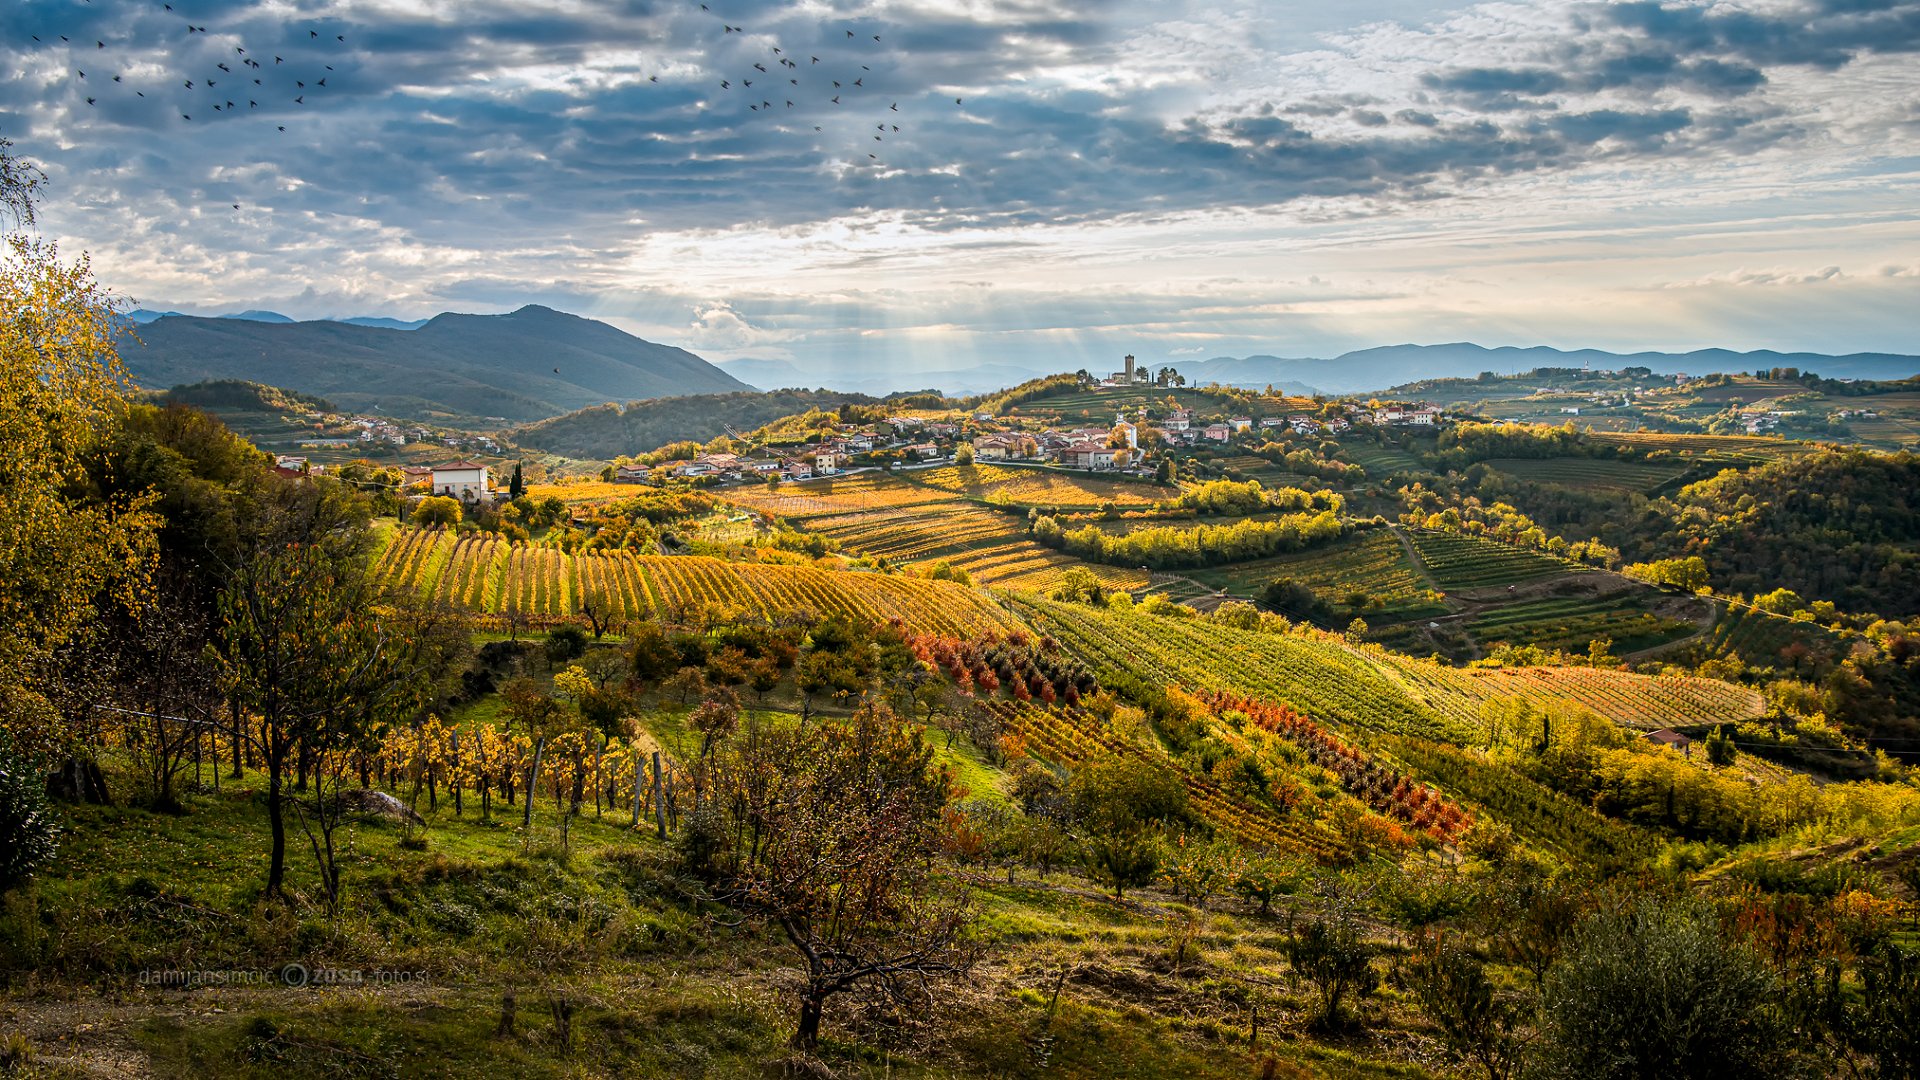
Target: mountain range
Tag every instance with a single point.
(1396, 365)
(527, 365)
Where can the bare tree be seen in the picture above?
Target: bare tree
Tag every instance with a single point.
(829, 831)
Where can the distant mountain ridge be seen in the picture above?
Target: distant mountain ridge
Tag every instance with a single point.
(524, 366)
(1396, 365)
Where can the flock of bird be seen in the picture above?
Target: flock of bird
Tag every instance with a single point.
(238, 84)
(776, 88)
(223, 87)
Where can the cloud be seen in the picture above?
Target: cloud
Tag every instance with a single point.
(486, 151)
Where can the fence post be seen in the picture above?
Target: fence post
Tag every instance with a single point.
(453, 780)
(599, 747)
(659, 803)
(639, 785)
(533, 779)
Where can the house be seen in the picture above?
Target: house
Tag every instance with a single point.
(923, 451)
(1240, 423)
(416, 476)
(1001, 447)
(695, 468)
(1671, 739)
(828, 462)
(1218, 432)
(631, 474)
(763, 466)
(461, 479)
(799, 470)
(288, 464)
(1571, 410)
(1179, 420)
(1269, 422)
(1426, 417)
(1087, 455)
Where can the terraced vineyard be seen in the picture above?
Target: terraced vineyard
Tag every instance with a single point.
(1572, 622)
(1590, 474)
(1038, 486)
(1371, 562)
(489, 576)
(1470, 562)
(907, 522)
(1325, 676)
(834, 495)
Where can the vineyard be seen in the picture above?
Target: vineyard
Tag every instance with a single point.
(1600, 475)
(1470, 562)
(888, 518)
(1372, 562)
(486, 574)
(1325, 676)
(1542, 817)
(1033, 486)
(834, 495)
(1570, 623)
(1729, 447)
(1066, 736)
(1761, 638)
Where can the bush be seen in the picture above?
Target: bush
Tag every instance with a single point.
(26, 820)
(1659, 988)
(1332, 953)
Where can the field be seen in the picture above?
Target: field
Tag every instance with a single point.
(1712, 447)
(1372, 562)
(834, 495)
(487, 575)
(910, 522)
(1329, 678)
(1571, 622)
(1469, 562)
(1038, 486)
(1589, 474)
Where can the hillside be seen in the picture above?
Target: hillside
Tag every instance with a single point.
(608, 430)
(527, 365)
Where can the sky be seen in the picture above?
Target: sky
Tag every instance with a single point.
(1038, 184)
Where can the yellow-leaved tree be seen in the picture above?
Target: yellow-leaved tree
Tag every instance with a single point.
(64, 552)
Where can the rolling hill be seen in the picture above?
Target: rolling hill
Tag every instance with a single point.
(527, 365)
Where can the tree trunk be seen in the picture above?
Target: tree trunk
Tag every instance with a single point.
(807, 1035)
(277, 863)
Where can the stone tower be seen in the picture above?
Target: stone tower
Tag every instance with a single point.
(1129, 370)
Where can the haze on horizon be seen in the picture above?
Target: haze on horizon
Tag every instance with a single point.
(1174, 180)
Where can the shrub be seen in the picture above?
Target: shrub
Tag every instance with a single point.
(1332, 953)
(1659, 988)
(26, 820)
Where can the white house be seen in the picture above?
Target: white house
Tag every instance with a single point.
(631, 474)
(461, 479)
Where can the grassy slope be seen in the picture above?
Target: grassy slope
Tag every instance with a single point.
(661, 990)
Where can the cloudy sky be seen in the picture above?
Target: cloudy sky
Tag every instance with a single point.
(1069, 179)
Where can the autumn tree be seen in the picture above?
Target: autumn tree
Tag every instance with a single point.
(66, 555)
(829, 831)
(300, 645)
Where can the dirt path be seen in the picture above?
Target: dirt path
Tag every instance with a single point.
(81, 1032)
